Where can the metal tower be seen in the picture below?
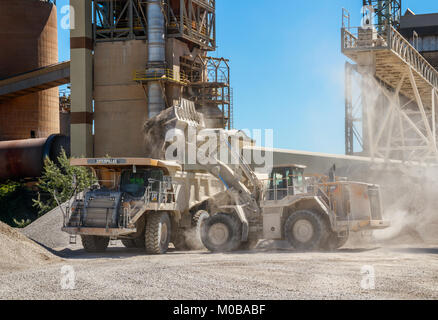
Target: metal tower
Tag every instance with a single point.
(394, 88)
(386, 12)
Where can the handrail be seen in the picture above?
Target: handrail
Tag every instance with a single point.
(394, 41)
(407, 52)
(165, 74)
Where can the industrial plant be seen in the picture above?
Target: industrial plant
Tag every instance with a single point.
(90, 138)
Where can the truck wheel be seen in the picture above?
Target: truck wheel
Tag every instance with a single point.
(221, 233)
(193, 236)
(158, 231)
(335, 242)
(305, 230)
(94, 244)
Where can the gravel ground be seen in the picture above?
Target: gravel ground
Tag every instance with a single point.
(47, 230)
(403, 272)
(17, 252)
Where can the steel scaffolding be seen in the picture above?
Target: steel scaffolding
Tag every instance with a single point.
(398, 95)
(193, 21)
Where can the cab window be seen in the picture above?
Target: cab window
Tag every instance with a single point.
(135, 184)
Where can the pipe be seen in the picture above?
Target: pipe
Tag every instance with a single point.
(21, 159)
(156, 56)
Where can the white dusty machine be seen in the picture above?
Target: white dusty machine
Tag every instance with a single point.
(149, 203)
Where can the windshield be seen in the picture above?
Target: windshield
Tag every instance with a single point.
(135, 184)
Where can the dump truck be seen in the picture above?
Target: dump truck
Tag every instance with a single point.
(143, 202)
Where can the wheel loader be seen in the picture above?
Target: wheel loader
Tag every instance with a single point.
(311, 213)
(145, 203)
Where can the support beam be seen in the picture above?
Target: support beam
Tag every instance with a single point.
(394, 102)
(432, 138)
(81, 80)
(433, 116)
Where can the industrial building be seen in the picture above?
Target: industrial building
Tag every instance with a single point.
(30, 45)
(392, 85)
(132, 59)
(29, 97)
(137, 59)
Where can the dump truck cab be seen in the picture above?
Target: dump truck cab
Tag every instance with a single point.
(143, 202)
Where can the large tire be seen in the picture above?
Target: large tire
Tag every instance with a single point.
(158, 232)
(306, 230)
(193, 236)
(94, 244)
(222, 233)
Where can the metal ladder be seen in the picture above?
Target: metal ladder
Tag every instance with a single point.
(73, 239)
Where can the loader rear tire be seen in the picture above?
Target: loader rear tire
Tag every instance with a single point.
(193, 236)
(222, 233)
(306, 230)
(94, 244)
(157, 233)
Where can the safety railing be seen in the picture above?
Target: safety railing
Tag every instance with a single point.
(161, 75)
(358, 38)
(410, 55)
(211, 78)
(160, 192)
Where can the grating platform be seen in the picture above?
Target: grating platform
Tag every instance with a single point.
(394, 57)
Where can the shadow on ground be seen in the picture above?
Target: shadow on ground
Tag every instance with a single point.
(416, 250)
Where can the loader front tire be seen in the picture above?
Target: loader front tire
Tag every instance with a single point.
(306, 230)
(221, 233)
(94, 244)
(157, 233)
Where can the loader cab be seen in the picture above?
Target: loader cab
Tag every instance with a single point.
(286, 181)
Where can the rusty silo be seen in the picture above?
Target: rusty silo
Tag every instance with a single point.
(28, 41)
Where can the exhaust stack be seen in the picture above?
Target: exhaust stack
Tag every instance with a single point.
(156, 56)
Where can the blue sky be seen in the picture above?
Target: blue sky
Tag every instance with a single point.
(286, 66)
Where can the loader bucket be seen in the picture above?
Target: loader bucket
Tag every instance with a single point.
(179, 117)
